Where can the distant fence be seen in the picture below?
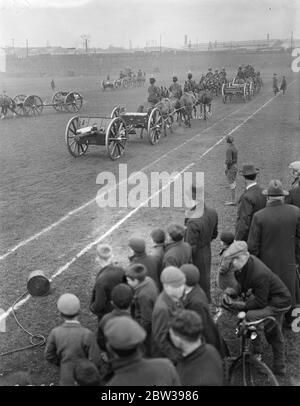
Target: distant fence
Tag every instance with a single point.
(103, 64)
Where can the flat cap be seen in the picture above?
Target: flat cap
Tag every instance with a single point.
(68, 304)
(137, 244)
(295, 165)
(172, 276)
(123, 333)
(122, 295)
(176, 231)
(235, 249)
(192, 274)
(136, 271)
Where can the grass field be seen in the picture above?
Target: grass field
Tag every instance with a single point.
(42, 187)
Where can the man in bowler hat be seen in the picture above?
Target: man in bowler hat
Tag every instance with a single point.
(249, 202)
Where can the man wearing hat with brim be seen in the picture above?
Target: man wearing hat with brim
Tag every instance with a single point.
(249, 202)
(70, 342)
(109, 275)
(270, 297)
(231, 168)
(274, 238)
(201, 229)
(294, 193)
(124, 340)
(166, 305)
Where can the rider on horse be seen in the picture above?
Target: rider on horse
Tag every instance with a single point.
(240, 74)
(154, 92)
(209, 74)
(175, 88)
(190, 85)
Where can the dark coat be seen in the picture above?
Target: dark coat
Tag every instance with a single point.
(294, 196)
(108, 277)
(274, 238)
(66, 345)
(177, 254)
(150, 263)
(267, 288)
(249, 203)
(158, 252)
(137, 371)
(196, 300)
(145, 295)
(163, 312)
(199, 233)
(203, 367)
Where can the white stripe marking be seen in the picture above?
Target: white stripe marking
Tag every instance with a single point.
(120, 222)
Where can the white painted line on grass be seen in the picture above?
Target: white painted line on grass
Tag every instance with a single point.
(78, 209)
(132, 212)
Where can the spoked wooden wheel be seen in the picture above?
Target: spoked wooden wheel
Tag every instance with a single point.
(33, 105)
(125, 83)
(73, 102)
(155, 125)
(116, 138)
(58, 101)
(75, 148)
(19, 104)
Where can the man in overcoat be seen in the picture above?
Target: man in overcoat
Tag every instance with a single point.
(201, 229)
(249, 202)
(274, 237)
(294, 193)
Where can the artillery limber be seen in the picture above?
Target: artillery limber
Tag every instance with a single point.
(152, 121)
(103, 131)
(232, 89)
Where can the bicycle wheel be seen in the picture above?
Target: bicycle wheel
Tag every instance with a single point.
(249, 371)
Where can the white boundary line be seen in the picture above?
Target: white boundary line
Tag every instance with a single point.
(78, 209)
(132, 212)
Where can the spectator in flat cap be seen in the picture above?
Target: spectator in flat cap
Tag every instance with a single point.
(158, 249)
(140, 256)
(249, 202)
(145, 295)
(109, 275)
(231, 168)
(167, 303)
(70, 342)
(274, 238)
(124, 339)
(177, 252)
(200, 231)
(201, 364)
(270, 297)
(121, 300)
(86, 374)
(195, 299)
(225, 276)
(294, 193)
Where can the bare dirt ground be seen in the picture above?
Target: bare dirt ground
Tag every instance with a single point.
(41, 183)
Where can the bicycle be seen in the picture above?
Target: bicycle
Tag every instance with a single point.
(247, 369)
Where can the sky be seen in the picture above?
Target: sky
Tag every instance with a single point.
(117, 22)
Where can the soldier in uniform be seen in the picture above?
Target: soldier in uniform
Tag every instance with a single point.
(190, 85)
(175, 88)
(275, 84)
(154, 92)
(240, 74)
(209, 73)
(223, 75)
(283, 85)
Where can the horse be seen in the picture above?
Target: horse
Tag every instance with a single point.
(188, 102)
(205, 99)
